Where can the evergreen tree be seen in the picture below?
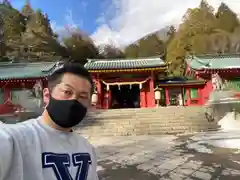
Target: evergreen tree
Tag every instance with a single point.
(13, 26)
(235, 41)
(27, 10)
(80, 46)
(192, 36)
(2, 44)
(131, 51)
(171, 33)
(176, 52)
(39, 41)
(227, 20)
(150, 46)
(220, 42)
(199, 20)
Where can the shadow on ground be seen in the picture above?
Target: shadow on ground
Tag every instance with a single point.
(150, 159)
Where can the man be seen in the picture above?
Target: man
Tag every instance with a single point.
(46, 148)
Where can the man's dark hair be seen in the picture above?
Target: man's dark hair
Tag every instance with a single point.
(73, 68)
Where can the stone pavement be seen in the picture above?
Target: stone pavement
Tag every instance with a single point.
(163, 157)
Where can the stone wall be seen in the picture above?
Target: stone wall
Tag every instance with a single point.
(155, 121)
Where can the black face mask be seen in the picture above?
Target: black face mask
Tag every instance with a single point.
(66, 113)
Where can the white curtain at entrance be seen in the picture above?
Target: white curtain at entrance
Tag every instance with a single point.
(24, 98)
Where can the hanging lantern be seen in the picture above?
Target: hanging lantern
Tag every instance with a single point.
(157, 93)
(94, 98)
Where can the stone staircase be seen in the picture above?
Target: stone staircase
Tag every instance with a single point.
(148, 121)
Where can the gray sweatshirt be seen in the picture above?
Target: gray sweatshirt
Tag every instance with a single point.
(34, 151)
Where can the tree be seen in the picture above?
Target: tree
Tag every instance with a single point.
(131, 51)
(220, 42)
(27, 10)
(150, 46)
(171, 33)
(198, 24)
(110, 52)
(13, 26)
(38, 40)
(200, 44)
(199, 20)
(2, 44)
(227, 20)
(80, 46)
(176, 52)
(235, 41)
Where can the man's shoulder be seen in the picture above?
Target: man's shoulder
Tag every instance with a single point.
(19, 129)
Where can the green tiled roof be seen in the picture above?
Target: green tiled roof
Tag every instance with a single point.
(25, 70)
(111, 64)
(234, 84)
(214, 62)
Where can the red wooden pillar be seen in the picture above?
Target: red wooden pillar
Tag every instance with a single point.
(188, 97)
(167, 96)
(107, 99)
(151, 88)
(7, 94)
(200, 100)
(99, 92)
(143, 102)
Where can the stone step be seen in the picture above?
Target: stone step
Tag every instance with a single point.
(161, 131)
(146, 128)
(113, 122)
(146, 110)
(144, 114)
(152, 116)
(168, 120)
(141, 126)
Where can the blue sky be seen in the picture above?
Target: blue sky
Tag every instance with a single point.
(83, 13)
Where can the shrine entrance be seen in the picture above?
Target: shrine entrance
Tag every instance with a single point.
(125, 96)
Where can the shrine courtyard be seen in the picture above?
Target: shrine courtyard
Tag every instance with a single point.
(196, 157)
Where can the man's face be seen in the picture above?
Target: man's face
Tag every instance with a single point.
(71, 87)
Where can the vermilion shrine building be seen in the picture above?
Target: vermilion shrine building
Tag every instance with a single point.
(134, 82)
(206, 66)
(16, 84)
(128, 83)
(125, 83)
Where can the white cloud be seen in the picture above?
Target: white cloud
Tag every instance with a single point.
(70, 21)
(136, 18)
(70, 24)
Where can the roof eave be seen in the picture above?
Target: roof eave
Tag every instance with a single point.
(128, 70)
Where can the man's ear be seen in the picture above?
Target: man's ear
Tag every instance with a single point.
(46, 96)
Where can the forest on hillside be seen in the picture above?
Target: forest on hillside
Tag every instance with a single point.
(26, 35)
